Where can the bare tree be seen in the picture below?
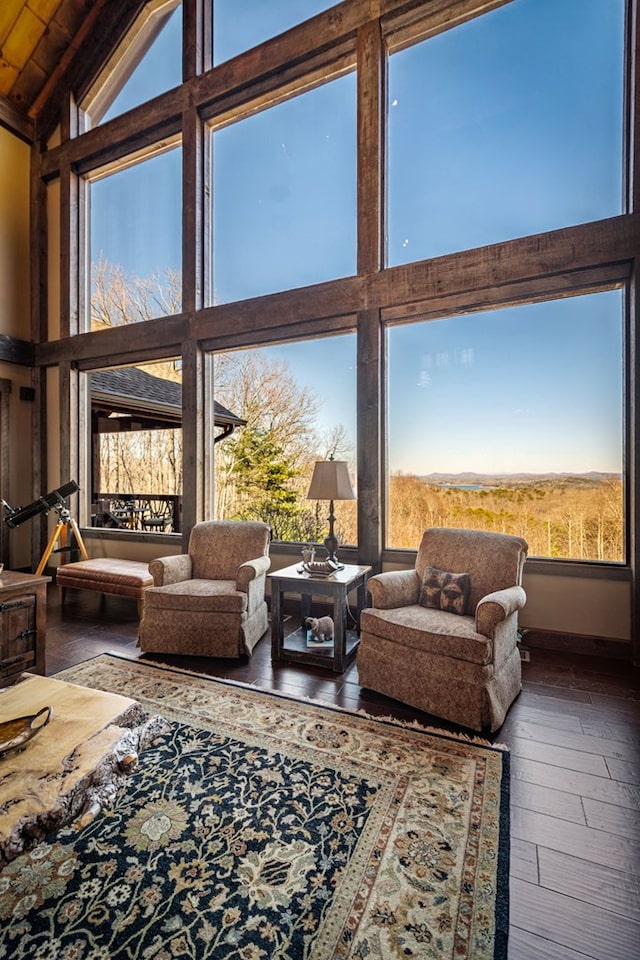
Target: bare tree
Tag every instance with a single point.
(281, 414)
(119, 298)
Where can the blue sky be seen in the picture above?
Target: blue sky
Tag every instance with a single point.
(503, 127)
(535, 388)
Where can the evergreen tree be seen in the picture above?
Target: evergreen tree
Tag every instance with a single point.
(263, 479)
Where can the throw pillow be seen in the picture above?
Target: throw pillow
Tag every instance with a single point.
(445, 591)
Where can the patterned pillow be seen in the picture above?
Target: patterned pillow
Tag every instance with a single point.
(445, 591)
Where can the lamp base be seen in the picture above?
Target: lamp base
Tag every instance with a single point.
(331, 542)
(331, 545)
(332, 558)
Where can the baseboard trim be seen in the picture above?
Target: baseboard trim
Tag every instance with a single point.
(577, 643)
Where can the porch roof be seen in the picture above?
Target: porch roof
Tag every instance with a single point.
(144, 401)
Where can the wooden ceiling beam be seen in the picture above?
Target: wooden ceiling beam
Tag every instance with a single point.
(105, 23)
(16, 122)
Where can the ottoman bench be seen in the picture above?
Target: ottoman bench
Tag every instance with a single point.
(122, 578)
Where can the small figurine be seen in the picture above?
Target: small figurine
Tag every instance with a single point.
(321, 628)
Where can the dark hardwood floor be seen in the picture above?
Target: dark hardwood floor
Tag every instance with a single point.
(574, 735)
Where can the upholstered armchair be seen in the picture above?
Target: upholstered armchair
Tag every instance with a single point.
(210, 601)
(443, 636)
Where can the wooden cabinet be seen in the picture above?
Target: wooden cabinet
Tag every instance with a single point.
(23, 624)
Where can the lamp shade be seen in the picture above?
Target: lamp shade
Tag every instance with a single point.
(330, 481)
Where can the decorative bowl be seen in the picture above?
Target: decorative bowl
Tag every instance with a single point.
(14, 734)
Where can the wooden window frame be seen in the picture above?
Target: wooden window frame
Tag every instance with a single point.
(359, 33)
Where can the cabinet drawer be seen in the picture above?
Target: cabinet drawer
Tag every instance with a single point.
(11, 666)
(17, 629)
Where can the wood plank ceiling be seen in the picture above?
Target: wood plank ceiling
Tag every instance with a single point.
(34, 37)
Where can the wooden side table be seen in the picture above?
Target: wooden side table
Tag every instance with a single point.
(337, 587)
(23, 624)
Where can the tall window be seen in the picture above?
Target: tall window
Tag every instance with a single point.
(511, 420)
(505, 126)
(297, 401)
(239, 26)
(135, 230)
(136, 449)
(284, 195)
(147, 63)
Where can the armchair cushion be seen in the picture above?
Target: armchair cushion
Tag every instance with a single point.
(427, 631)
(444, 591)
(206, 596)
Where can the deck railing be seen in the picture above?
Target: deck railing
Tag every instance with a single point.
(146, 512)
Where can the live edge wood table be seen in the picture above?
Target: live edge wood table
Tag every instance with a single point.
(337, 587)
(73, 765)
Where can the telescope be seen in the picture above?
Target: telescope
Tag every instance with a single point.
(53, 500)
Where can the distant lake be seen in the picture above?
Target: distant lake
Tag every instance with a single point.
(465, 486)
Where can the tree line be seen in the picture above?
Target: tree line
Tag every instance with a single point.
(570, 518)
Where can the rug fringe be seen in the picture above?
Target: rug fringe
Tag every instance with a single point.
(460, 735)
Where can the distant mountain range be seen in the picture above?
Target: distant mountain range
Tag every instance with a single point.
(512, 479)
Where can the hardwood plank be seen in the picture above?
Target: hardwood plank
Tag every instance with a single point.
(524, 945)
(583, 927)
(524, 860)
(548, 734)
(555, 803)
(535, 693)
(560, 757)
(625, 770)
(588, 704)
(607, 693)
(613, 890)
(582, 784)
(615, 709)
(559, 720)
(608, 729)
(577, 840)
(612, 818)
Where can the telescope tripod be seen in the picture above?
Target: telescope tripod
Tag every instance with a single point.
(60, 533)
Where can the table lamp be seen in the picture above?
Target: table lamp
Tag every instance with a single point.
(330, 481)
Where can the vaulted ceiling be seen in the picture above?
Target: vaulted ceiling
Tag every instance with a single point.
(35, 37)
(39, 40)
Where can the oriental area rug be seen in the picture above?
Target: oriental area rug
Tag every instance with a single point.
(261, 827)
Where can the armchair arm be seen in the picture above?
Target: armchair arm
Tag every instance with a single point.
(171, 569)
(496, 607)
(395, 588)
(250, 570)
